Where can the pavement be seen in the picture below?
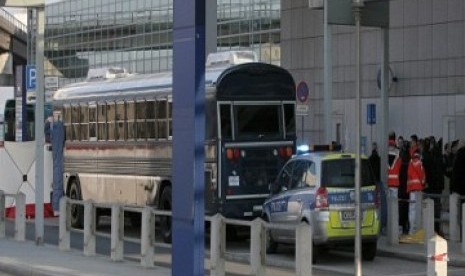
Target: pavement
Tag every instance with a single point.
(26, 258)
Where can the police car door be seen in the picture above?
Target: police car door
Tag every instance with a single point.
(300, 194)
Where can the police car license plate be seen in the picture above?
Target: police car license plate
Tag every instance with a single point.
(348, 215)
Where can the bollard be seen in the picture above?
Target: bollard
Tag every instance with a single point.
(64, 225)
(20, 220)
(463, 229)
(393, 220)
(257, 248)
(437, 256)
(303, 250)
(89, 229)
(217, 246)
(117, 233)
(428, 219)
(418, 206)
(2, 214)
(147, 237)
(454, 227)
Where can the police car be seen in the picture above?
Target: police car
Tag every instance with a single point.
(318, 188)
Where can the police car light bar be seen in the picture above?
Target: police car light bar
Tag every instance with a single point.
(316, 148)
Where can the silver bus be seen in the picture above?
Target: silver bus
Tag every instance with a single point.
(118, 145)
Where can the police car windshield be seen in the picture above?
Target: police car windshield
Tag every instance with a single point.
(340, 173)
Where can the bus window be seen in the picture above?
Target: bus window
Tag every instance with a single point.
(111, 112)
(120, 121)
(151, 120)
(101, 121)
(225, 117)
(92, 123)
(75, 122)
(140, 120)
(84, 122)
(289, 120)
(67, 121)
(130, 113)
(257, 121)
(162, 114)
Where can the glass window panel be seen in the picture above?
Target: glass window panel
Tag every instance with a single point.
(130, 108)
(151, 130)
(111, 112)
(75, 114)
(111, 130)
(140, 110)
(161, 109)
(150, 110)
(162, 129)
(131, 132)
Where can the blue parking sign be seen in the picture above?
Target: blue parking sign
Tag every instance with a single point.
(31, 77)
(371, 114)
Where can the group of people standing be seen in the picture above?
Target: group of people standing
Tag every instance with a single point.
(414, 166)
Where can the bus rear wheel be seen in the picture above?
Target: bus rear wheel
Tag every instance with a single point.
(77, 211)
(165, 221)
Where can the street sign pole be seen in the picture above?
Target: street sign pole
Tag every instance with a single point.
(39, 128)
(357, 10)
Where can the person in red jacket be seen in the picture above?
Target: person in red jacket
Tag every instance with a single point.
(415, 184)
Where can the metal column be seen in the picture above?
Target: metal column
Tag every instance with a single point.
(188, 137)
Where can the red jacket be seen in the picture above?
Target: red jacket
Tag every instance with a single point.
(393, 173)
(416, 175)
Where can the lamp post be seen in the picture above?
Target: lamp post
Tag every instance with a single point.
(39, 111)
(357, 10)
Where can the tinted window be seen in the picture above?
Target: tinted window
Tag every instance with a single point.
(340, 173)
(226, 127)
(257, 121)
(289, 119)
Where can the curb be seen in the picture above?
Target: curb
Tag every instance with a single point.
(416, 257)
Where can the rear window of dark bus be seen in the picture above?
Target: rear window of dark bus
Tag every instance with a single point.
(340, 173)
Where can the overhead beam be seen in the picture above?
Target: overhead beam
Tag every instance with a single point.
(22, 3)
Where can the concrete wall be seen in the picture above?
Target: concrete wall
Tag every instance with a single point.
(427, 55)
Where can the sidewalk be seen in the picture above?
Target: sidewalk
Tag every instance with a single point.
(418, 252)
(25, 258)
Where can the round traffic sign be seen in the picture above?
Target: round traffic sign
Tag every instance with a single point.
(302, 92)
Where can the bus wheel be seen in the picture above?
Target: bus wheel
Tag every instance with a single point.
(165, 221)
(77, 211)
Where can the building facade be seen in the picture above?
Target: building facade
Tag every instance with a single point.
(137, 35)
(427, 56)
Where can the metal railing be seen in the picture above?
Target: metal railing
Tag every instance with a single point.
(20, 215)
(12, 24)
(258, 227)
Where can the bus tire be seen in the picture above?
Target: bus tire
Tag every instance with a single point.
(77, 211)
(165, 221)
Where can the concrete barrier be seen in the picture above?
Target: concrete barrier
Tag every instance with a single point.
(428, 219)
(393, 220)
(20, 215)
(454, 218)
(303, 265)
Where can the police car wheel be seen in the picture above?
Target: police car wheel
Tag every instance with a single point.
(369, 250)
(271, 244)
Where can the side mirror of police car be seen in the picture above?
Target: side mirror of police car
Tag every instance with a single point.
(273, 187)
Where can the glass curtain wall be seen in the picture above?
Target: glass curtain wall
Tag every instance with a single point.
(137, 34)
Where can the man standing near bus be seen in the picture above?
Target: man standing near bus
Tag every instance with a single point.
(58, 140)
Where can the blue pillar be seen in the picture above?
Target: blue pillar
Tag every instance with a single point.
(188, 137)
